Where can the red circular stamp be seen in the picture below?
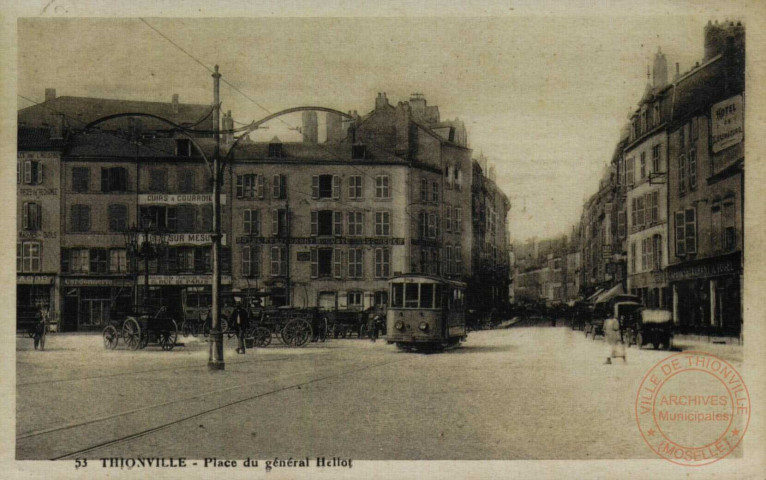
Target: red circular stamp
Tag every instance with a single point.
(693, 408)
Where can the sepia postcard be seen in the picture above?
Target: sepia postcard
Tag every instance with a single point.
(383, 240)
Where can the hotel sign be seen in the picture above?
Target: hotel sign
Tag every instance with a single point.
(728, 123)
(704, 270)
(178, 199)
(183, 280)
(370, 241)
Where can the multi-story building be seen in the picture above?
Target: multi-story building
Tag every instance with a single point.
(705, 186)
(644, 163)
(596, 238)
(304, 223)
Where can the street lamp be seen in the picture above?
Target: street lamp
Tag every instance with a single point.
(146, 243)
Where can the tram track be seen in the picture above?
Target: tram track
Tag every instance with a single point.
(170, 424)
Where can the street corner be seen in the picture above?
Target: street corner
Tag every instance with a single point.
(693, 408)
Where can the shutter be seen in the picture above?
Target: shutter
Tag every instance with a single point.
(655, 206)
(104, 179)
(28, 172)
(261, 186)
(240, 187)
(39, 225)
(18, 172)
(94, 260)
(337, 224)
(314, 222)
(256, 220)
(337, 258)
(351, 185)
(283, 186)
(247, 221)
(680, 234)
(275, 187)
(39, 179)
(314, 186)
(25, 216)
(335, 186)
(360, 218)
(314, 263)
(275, 222)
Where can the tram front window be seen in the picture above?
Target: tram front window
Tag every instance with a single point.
(426, 295)
(397, 295)
(411, 295)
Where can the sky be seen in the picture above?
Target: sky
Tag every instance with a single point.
(543, 98)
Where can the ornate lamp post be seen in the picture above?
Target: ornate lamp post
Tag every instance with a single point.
(146, 243)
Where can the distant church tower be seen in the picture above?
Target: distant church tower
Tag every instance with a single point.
(310, 127)
(660, 70)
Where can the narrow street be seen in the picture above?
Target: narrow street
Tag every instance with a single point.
(505, 394)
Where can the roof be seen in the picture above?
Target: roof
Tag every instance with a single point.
(37, 139)
(80, 111)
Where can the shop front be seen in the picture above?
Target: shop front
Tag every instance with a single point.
(89, 303)
(35, 293)
(651, 288)
(707, 295)
(182, 294)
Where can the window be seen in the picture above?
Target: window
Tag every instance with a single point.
(187, 181)
(423, 190)
(114, 179)
(716, 230)
(644, 121)
(621, 171)
(645, 254)
(278, 261)
(448, 219)
(355, 187)
(79, 221)
(279, 222)
(692, 169)
(382, 190)
(358, 152)
(436, 261)
(325, 186)
(326, 223)
(643, 165)
(435, 192)
(423, 224)
(118, 260)
(431, 225)
(621, 218)
(31, 216)
(183, 147)
(458, 227)
(80, 179)
(321, 262)
(275, 150)
(355, 263)
(98, 260)
(158, 180)
(186, 218)
(680, 234)
(630, 172)
(425, 260)
(657, 243)
(354, 299)
(633, 257)
(33, 172)
(397, 295)
(251, 260)
(730, 229)
(656, 159)
(458, 179)
(458, 260)
(382, 263)
(279, 186)
(382, 224)
(381, 298)
(448, 259)
(160, 217)
(640, 217)
(185, 259)
(691, 230)
(118, 217)
(655, 211)
(682, 173)
(251, 221)
(28, 255)
(656, 113)
(247, 185)
(355, 223)
(203, 260)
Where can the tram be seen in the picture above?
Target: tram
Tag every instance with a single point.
(425, 312)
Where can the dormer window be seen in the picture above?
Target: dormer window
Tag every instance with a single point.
(183, 147)
(275, 150)
(358, 152)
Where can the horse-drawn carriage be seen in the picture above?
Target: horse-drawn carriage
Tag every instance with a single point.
(143, 325)
(294, 327)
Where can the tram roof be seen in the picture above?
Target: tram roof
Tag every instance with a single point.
(431, 278)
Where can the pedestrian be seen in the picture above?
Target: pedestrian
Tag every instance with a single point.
(613, 336)
(241, 321)
(40, 327)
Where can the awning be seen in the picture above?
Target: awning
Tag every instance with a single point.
(610, 294)
(598, 292)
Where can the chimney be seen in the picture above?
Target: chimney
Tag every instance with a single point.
(381, 101)
(334, 127)
(50, 94)
(660, 69)
(174, 103)
(310, 128)
(418, 104)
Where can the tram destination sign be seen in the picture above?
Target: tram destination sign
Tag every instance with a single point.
(372, 241)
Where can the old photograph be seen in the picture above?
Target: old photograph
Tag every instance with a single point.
(299, 245)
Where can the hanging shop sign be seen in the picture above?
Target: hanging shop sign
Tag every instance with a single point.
(728, 123)
(178, 199)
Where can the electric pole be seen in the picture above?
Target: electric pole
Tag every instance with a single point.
(215, 360)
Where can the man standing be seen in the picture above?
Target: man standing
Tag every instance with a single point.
(40, 327)
(241, 321)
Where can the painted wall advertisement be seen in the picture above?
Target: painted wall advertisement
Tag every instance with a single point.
(728, 123)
